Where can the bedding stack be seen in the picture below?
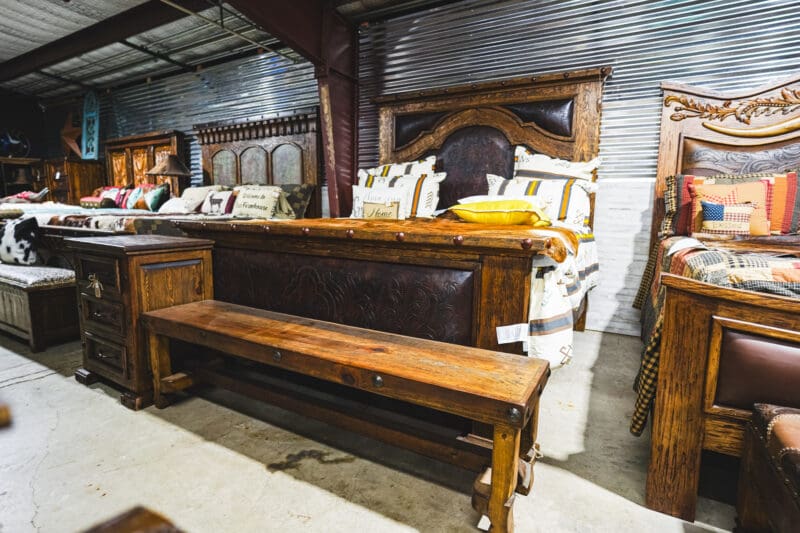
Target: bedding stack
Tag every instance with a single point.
(543, 192)
(706, 219)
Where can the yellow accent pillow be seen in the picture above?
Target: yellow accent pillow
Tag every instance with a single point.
(502, 212)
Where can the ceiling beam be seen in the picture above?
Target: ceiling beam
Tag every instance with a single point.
(134, 21)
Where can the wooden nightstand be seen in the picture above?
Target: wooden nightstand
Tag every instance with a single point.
(120, 277)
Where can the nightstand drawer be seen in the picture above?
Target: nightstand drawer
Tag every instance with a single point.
(104, 270)
(111, 357)
(103, 314)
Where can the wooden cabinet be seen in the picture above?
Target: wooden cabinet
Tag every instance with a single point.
(129, 158)
(70, 180)
(19, 174)
(120, 277)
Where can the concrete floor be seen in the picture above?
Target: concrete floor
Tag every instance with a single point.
(75, 456)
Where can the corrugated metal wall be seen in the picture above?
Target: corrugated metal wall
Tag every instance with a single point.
(247, 88)
(723, 44)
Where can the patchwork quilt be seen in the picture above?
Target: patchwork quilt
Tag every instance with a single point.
(711, 263)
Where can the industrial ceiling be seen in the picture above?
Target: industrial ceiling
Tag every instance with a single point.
(196, 34)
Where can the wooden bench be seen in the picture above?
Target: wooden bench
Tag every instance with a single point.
(493, 388)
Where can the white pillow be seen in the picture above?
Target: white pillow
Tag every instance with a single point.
(567, 200)
(409, 168)
(420, 194)
(194, 197)
(530, 165)
(174, 205)
(218, 203)
(261, 201)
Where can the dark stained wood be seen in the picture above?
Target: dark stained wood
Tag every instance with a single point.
(298, 130)
(129, 158)
(489, 387)
(37, 314)
(685, 420)
(136, 520)
(76, 179)
(137, 273)
(318, 32)
(5, 415)
(136, 20)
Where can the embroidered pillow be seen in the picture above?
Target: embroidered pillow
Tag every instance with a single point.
(528, 164)
(567, 200)
(380, 202)
(721, 219)
(753, 192)
(408, 168)
(218, 203)
(261, 201)
(18, 241)
(422, 191)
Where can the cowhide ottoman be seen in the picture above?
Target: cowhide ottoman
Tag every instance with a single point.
(769, 478)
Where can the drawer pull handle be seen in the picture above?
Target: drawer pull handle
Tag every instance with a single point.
(97, 315)
(94, 283)
(101, 355)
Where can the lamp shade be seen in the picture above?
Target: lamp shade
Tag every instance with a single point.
(171, 166)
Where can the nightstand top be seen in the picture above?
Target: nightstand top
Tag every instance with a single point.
(134, 244)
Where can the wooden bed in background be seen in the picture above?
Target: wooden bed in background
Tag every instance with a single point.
(280, 149)
(439, 279)
(705, 133)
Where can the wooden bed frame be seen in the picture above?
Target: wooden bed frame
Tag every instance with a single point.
(705, 133)
(440, 279)
(272, 150)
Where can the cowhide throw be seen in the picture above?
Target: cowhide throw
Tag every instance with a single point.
(18, 243)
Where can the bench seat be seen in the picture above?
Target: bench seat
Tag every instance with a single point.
(494, 388)
(39, 304)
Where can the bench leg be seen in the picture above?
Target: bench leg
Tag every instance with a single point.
(158, 347)
(505, 458)
(529, 451)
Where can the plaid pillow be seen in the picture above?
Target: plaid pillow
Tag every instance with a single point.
(721, 219)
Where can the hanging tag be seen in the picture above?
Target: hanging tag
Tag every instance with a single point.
(513, 333)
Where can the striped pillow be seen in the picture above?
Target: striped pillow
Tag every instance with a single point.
(567, 200)
(425, 166)
(528, 164)
(419, 194)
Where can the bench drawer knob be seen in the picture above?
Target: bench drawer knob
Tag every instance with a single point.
(277, 355)
(377, 381)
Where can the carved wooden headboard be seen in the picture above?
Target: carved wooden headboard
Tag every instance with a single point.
(474, 128)
(275, 150)
(704, 132)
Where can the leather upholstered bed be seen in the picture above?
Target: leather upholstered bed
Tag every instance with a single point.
(713, 349)
(440, 279)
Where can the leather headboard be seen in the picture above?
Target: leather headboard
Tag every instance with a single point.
(704, 133)
(474, 128)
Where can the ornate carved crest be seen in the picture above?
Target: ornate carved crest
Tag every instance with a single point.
(788, 101)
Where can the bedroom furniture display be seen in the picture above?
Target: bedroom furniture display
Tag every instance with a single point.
(120, 277)
(713, 337)
(129, 158)
(276, 150)
(769, 477)
(493, 388)
(37, 304)
(70, 180)
(19, 174)
(436, 279)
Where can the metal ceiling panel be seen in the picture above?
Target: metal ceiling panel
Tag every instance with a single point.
(28, 24)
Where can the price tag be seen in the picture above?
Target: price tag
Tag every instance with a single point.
(513, 333)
